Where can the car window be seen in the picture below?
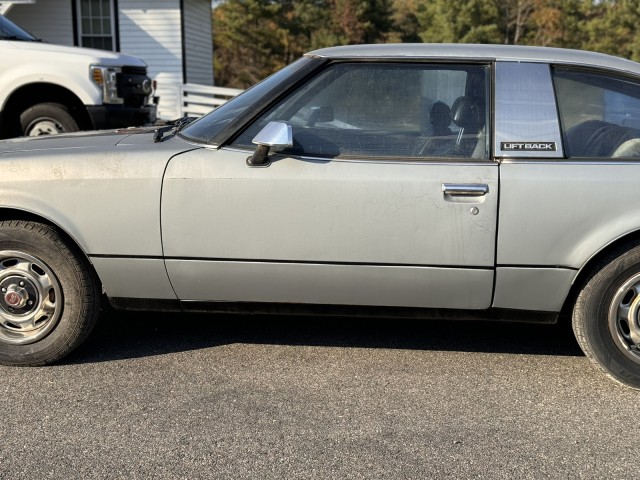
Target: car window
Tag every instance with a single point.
(599, 113)
(206, 128)
(368, 110)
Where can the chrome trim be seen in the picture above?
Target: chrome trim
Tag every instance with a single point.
(586, 161)
(465, 189)
(378, 160)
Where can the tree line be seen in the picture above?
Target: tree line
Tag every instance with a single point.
(254, 38)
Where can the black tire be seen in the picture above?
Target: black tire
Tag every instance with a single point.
(49, 295)
(47, 119)
(605, 316)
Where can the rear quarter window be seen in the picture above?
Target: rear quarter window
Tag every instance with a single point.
(599, 113)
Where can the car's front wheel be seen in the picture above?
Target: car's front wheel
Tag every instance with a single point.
(606, 317)
(49, 296)
(47, 119)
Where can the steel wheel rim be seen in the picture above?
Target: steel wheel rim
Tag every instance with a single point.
(624, 318)
(44, 126)
(30, 298)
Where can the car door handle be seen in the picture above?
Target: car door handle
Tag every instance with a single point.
(465, 189)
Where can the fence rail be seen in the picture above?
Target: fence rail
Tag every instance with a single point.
(197, 100)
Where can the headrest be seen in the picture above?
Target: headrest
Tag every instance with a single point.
(465, 113)
(440, 115)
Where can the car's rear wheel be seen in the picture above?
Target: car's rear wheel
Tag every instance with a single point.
(47, 119)
(49, 297)
(606, 317)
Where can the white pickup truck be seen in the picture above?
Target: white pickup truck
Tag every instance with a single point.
(47, 89)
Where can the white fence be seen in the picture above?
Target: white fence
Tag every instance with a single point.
(197, 100)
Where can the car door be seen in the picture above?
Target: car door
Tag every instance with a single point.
(387, 196)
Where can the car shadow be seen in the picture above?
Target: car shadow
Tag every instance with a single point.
(131, 335)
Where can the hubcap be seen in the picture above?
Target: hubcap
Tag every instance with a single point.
(44, 126)
(18, 293)
(30, 298)
(624, 318)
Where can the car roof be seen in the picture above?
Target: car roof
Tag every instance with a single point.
(463, 51)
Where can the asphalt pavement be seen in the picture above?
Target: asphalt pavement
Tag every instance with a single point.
(265, 397)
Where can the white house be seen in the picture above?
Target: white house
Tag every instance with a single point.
(172, 36)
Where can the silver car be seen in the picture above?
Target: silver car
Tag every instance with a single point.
(432, 181)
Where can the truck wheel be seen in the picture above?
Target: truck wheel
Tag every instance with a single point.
(47, 119)
(606, 317)
(49, 296)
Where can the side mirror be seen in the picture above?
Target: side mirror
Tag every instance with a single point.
(274, 134)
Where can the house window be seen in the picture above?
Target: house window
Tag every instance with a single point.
(96, 24)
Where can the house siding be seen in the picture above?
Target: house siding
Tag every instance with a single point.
(198, 42)
(151, 30)
(53, 22)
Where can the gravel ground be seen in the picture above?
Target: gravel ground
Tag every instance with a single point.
(177, 396)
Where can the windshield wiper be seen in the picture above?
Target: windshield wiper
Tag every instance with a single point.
(174, 126)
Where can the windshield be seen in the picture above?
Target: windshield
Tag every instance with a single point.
(10, 31)
(206, 128)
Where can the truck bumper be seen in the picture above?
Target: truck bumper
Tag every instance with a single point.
(117, 116)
